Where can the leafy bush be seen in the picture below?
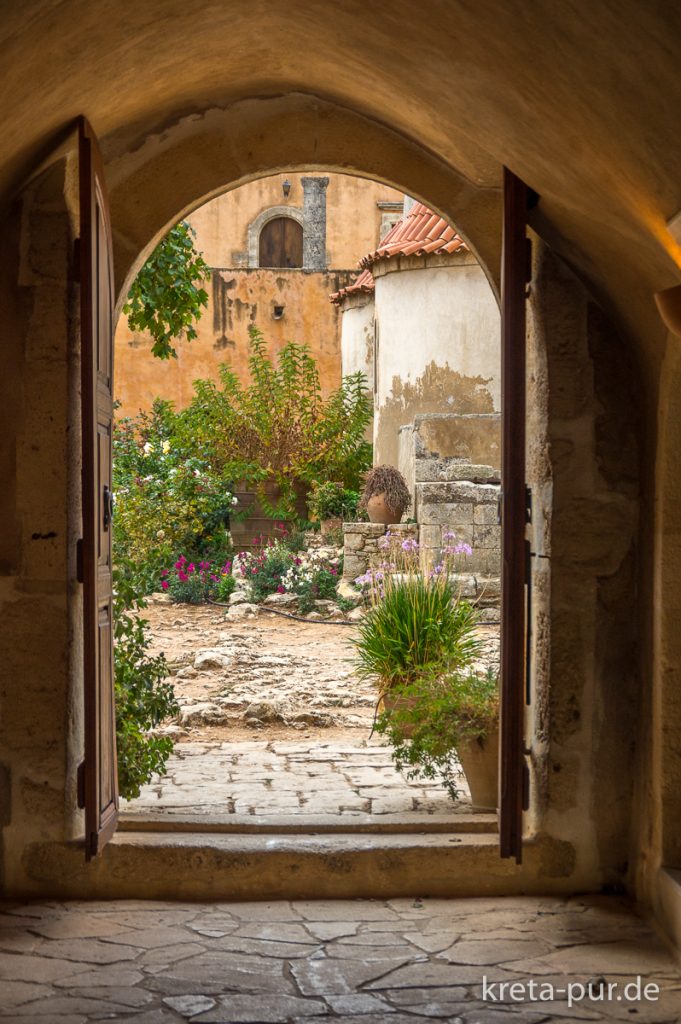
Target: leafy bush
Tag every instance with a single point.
(279, 427)
(165, 298)
(194, 583)
(224, 587)
(143, 699)
(332, 501)
(168, 497)
(262, 571)
(313, 579)
(432, 716)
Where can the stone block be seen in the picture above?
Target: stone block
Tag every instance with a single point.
(353, 541)
(487, 515)
(460, 491)
(445, 514)
(353, 566)
(487, 536)
(365, 529)
(430, 536)
(431, 470)
(489, 588)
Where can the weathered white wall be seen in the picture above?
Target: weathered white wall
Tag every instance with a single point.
(437, 343)
(357, 337)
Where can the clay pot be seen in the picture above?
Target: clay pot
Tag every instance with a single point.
(379, 512)
(391, 702)
(479, 759)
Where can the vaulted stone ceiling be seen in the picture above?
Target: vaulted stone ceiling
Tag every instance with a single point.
(580, 98)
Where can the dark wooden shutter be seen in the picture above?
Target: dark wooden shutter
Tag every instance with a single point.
(96, 327)
(281, 243)
(513, 517)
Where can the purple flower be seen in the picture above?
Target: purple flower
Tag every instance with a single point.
(463, 549)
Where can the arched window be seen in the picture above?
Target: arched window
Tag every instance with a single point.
(281, 243)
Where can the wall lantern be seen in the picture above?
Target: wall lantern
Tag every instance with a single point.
(286, 188)
(669, 307)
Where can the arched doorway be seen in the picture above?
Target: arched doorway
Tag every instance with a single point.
(281, 243)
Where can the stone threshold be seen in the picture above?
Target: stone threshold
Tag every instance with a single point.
(231, 867)
(294, 824)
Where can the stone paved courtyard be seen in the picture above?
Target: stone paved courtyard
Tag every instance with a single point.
(356, 961)
(274, 722)
(311, 780)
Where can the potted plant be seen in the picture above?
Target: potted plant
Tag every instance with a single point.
(418, 643)
(442, 723)
(332, 504)
(385, 496)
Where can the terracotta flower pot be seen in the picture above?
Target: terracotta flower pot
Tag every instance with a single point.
(480, 762)
(379, 512)
(391, 702)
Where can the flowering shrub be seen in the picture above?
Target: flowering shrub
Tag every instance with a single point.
(168, 499)
(262, 571)
(313, 578)
(191, 583)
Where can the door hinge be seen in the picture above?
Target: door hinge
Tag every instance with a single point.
(528, 504)
(80, 784)
(76, 260)
(526, 786)
(79, 560)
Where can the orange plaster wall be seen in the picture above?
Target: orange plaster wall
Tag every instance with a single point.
(239, 297)
(353, 218)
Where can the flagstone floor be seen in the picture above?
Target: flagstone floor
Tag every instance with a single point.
(308, 779)
(346, 962)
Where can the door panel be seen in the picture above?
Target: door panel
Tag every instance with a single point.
(513, 518)
(281, 243)
(96, 291)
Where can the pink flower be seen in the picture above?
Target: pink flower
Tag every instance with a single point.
(191, 567)
(165, 584)
(182, 576)
(164, 572)
(281, 589)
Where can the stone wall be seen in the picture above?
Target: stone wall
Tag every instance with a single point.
(360, 545)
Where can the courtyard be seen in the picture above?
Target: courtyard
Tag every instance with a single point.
(275, 727)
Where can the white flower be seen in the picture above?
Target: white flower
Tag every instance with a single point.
(235, 500)
(148, 448)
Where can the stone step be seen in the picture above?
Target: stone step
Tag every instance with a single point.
(212, 867)
(298, 823)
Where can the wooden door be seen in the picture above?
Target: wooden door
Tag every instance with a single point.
(514, 582)
(100, 782)
(281, 243)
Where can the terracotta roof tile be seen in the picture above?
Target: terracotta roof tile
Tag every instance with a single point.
(419, 233)
(363, 283)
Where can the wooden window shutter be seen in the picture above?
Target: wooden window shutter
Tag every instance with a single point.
(100, 782)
